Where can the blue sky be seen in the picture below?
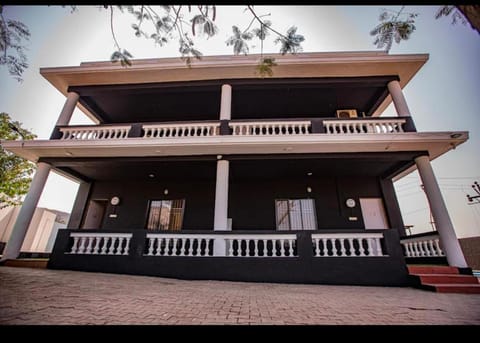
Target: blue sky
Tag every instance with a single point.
(443, 96)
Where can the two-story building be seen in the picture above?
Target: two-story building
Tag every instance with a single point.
(212, 172)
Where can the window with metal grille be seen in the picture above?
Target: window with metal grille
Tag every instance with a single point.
(295, 214)
(165, 215)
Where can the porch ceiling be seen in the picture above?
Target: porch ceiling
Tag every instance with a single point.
(251, 98)
(242, 167)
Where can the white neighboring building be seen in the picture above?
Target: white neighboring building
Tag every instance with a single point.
(41, 232)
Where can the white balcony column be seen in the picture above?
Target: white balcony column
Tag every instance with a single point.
(226, 103)
(220, 221)
(398, 99)
(68, 108)
(19, 231)
(444, 225)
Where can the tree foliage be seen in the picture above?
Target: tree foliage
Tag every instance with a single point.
(15, 172)
(398, 25)
(13, 37)
(394, 26)
(186, 24)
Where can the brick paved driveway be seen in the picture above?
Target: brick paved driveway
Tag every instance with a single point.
(40, 296)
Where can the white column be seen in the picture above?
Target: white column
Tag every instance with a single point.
(68, 108)
(444, 225)
(24, 218)
(398, 99)
(226, 103)
(220, 222)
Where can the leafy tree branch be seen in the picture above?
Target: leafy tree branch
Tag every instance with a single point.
(15, 172)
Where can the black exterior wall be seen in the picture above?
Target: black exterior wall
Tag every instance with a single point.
(305, 268)
(251, 202)
(132, 211)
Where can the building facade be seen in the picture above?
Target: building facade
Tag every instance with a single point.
(212, 172)
(41, 231)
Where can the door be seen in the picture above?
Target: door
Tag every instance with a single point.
(95, 213)
(373, 212)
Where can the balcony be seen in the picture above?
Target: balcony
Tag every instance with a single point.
(238, 128)
(286, 136)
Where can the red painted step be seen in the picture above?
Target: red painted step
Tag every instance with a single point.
(443, 279)
(454, 288)
(432, 270)
(446, 279)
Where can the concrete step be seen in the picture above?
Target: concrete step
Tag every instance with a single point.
(432, 270)
(453, 288)
(27, 262)
(446, 279)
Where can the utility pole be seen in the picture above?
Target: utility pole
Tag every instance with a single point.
(474, 199)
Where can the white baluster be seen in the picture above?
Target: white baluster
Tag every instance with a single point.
(265, 250)
(150, 246)
(97, 245)
(425, 248)
(290, 247)
(420, 248)
(439, 249)
(352, 247)
(255, 245)
(317, 247)
(378, 247)
(415, 249)
(120, 247)
(431, 246)
(282, 247)
(126, 250)
(161, 242)
(247, 247)
(112, 246)
(325, 247)
(89, 245)
(360, 246)
(342, 247)
(408, 252)
(104, 245)
(81, 249)
(74, 246)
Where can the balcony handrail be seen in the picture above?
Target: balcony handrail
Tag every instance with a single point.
(365, 126)
(422, 246)
(90, 132)
(92, 243)
(347, 244)
(270, 128)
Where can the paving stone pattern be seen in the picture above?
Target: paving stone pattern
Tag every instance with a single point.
(56, 297)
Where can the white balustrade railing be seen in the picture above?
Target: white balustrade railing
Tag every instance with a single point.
(100, 243)
(427, 246)
(176, 130)
(347, 244)
(270, 128)
(197, 245)
(241, 245)
(353, 126)
(250, 245)
(97, 132)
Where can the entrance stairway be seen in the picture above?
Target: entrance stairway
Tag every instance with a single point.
(444, 279)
